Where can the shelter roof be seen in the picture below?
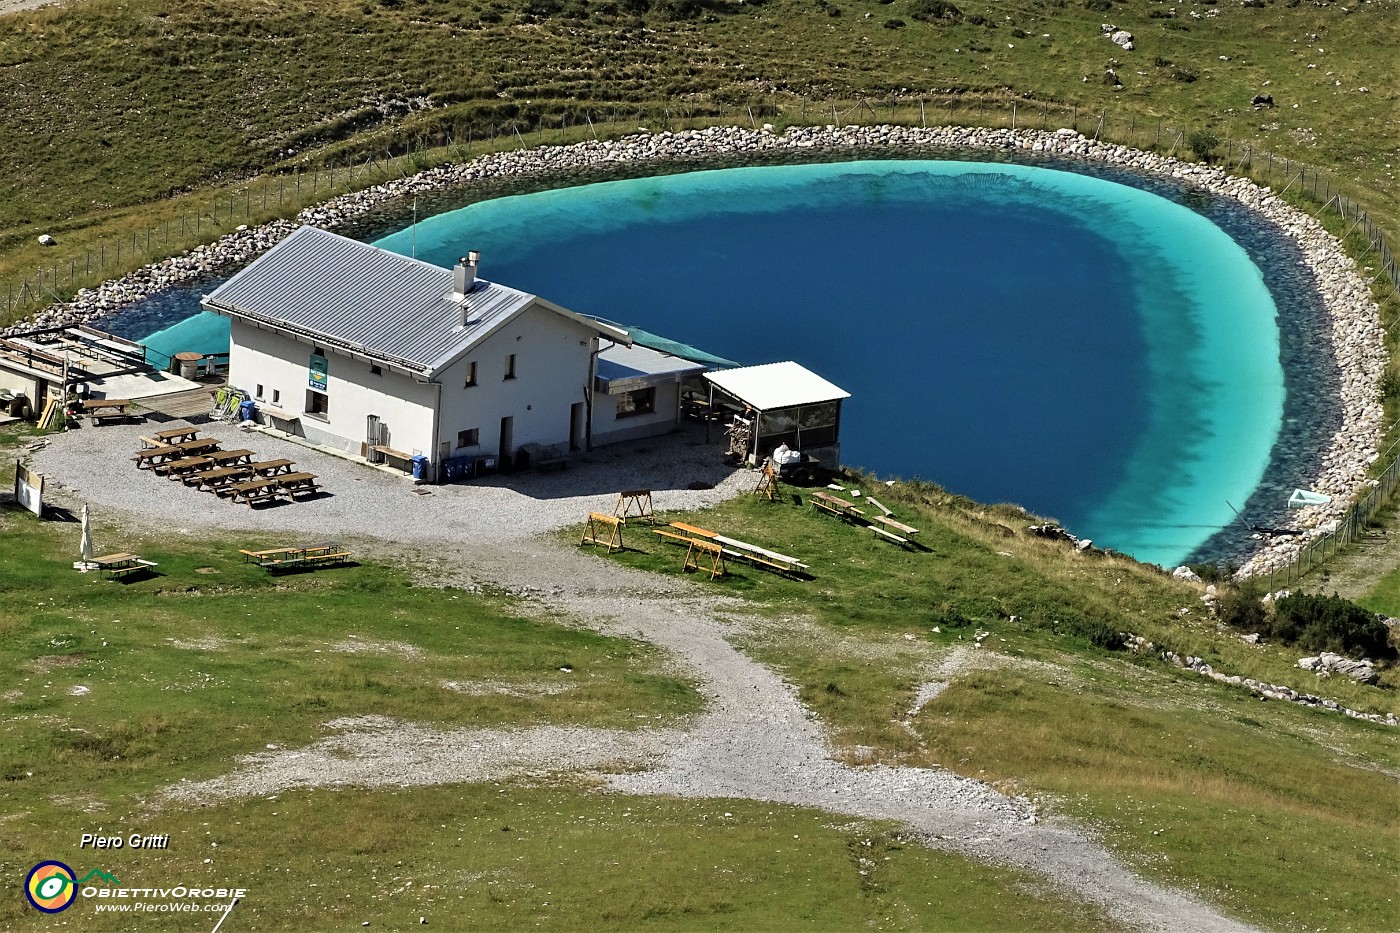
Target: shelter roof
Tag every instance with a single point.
(776, 385)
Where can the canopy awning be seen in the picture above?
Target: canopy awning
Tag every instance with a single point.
(776, 385)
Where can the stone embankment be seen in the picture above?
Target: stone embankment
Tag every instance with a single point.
(1258, 687)
(1357, 339)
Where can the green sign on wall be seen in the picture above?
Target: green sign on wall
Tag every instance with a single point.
(319, 368)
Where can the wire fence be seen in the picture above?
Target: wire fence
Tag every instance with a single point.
(1349, 528)
(287, 188)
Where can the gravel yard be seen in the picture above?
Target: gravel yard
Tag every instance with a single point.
(361, 501)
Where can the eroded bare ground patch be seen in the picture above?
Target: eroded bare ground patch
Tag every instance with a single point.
(754, 740)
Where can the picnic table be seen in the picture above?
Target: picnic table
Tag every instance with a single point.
(288, 558)
(216, 478)
(845, 510)
(256, 490)
(175, 469)
(152, 456)
(270, 467)
(176, 435)
(100, 410)
(231, 457)
(122, 564)
(298, 484)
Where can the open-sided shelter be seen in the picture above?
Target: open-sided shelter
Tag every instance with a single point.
(788, 404)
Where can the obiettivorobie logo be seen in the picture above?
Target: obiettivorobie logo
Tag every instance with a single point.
(52, 886)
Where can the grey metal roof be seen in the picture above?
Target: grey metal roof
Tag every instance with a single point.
(637, 361)
(366, 299)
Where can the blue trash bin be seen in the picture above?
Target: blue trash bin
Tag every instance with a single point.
(248, 410)
(420, 467)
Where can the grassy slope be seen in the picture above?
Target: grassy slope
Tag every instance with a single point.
(116, 104)
(190, 669)
(1275, 812)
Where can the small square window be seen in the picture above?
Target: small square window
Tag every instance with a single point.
(468, 438)
(510, 366)
(276, 396)
(471, 374)
(259, 392)
(317, 404)
(375, 370)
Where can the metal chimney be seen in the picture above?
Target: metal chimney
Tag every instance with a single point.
(464, 273)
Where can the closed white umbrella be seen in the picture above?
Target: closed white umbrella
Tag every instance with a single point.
(87, 537)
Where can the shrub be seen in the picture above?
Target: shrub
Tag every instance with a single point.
(1331, 623)
(894, 24)
(1184, 75)
(1019, 33)
(935, 11)
(1203, 143)
(679, 9)
(1098, 6)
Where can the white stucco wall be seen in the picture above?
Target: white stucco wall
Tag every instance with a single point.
(608, 428)
(281, 366)
(552, 367)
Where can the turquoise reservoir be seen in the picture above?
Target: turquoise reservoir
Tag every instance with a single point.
(1092, 351)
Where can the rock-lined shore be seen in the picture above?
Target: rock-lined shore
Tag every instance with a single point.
(1357, 338)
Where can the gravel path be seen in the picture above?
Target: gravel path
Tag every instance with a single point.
(753, 741)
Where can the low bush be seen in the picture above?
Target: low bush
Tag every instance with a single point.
(935, 11)
(1331, 623)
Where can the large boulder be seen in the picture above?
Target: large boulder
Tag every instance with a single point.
(1327, 663)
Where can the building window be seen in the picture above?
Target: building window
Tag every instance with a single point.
(317, 404)
(375, 370)
(259, 392)
(471, 375)
(510, 366)
(638, 402)
(276, 396)
(468, 438)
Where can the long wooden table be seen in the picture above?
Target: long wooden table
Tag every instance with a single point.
(100, 410)
(298, 484)
(176, 469)
(232, 457)
(288, 558)
(215, 478)
(257, 490)
(270, 467)
(152, 456)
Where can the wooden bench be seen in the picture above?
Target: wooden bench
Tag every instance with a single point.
(298, 484)
(259, 490)
(389, 453)
(898, 526)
